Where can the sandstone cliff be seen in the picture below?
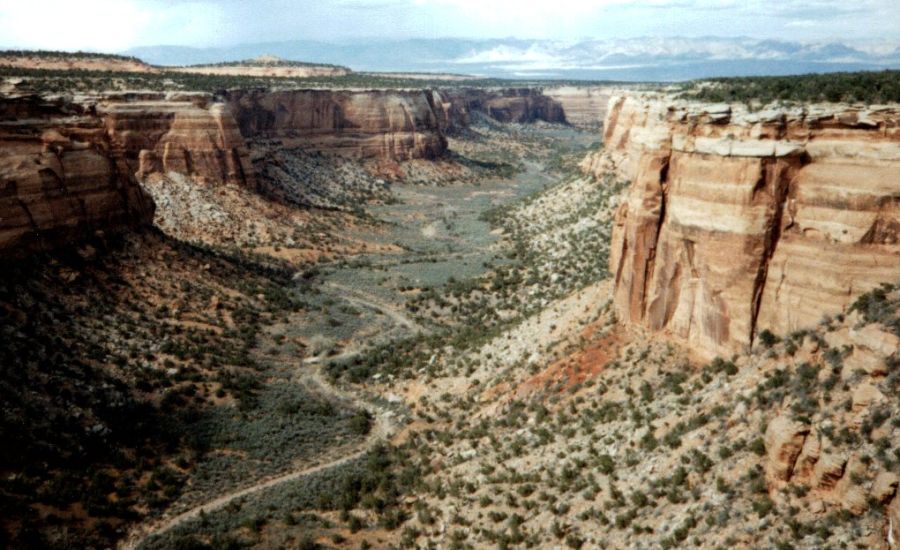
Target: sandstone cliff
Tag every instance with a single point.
(60, 178)
(395, 125)
(517, 105)
(584, 106)
(73, 165)
(183, 133)
(737, 222)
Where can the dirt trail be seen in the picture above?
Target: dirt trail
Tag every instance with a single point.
(382, 430)
(373, 302)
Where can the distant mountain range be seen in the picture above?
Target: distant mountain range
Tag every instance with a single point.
(639, 59)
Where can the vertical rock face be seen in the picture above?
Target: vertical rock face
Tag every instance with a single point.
(69, 167)
(396, 125)
(738, 221)
(584, 106)
(186, 134)
(59, 180)
(518, 105)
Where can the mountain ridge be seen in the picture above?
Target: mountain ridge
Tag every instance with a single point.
(646, 58)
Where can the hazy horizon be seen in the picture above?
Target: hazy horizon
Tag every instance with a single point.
(119, 25)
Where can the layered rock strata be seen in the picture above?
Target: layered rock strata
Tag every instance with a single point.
(516, 105)
(584, 106)
(188, 134)
(72, 165)
(60, 179)
(396, 125)
(738, 222)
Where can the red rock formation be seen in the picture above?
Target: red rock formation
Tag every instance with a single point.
(518, 105)
(60, 180)
(395, 125)
(187, 134)
(584, 106)
(69, 167)
(738, 222)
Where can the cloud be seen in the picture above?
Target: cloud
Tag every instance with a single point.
(112, 25)
(805, 23)
(104, 25)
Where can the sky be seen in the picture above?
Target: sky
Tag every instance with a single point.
(116, 25)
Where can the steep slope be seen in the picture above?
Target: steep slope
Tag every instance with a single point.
(739, 222)
(387, 124)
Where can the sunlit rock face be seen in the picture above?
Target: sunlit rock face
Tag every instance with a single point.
(584, 106)
(390, 125)
(72, 166)
(60, 179)
(741, 221)
(185, 133)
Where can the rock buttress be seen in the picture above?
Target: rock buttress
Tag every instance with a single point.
(740, 222)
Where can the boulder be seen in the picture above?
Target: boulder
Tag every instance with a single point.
(809, 456)
(784, 440)
(867, 361)
(828, 471)
(885, 486)
(877, 340)
(864, 396)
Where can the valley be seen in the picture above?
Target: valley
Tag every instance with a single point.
(444, 317)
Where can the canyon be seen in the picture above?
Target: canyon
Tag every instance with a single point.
(739, 221)
(71, 166)
(446, 316)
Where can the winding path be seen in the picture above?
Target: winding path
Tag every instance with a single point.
(370, 301)
(382, 430)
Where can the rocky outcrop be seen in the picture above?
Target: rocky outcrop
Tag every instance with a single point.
(395, 125)
(60, 179)
(784, 441)
(741, 221)
(184, 133)
(456, 107)
(70, 166)
(584, 106)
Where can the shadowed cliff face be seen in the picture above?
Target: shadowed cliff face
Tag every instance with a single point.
(517, 105)
(738, 222)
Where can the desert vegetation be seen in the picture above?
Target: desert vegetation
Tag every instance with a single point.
(876, 87)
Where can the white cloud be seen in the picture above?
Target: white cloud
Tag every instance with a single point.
(113, 25)
(104, 25)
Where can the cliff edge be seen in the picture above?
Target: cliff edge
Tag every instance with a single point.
(738, 222)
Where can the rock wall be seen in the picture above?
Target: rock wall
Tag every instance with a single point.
(741, 221)
(584, 106)
(60, 179)
(395, 125)
(517, 105)
(185, 133)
